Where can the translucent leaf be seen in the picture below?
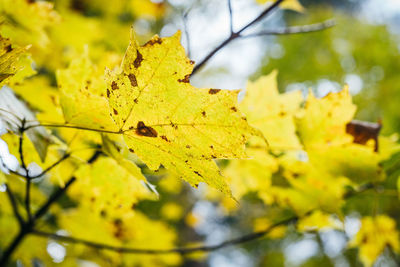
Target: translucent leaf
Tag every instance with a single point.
(167, 121)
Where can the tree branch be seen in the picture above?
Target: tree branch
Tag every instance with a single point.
(67, 155)
(14, 205)
(295, 29)
(235, 35)
(179, 250)
(53, 198)
(230, 16)
(27, 228)
(28, 198)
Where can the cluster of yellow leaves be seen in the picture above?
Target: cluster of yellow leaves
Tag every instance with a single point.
(133, 230)
(310, 160)
(375, 235)
(164, 119)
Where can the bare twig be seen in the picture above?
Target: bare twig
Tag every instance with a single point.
(28, 198)
(186, 31)
(53, 198)
(20, 149)
(230, 16)
(235, 35)
(295, 29)
(14, 205)
(26, 174)
(179, 250)
(50, 167)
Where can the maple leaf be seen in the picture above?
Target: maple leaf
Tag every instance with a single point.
(272, 113)
(9, 59)
(165, 120)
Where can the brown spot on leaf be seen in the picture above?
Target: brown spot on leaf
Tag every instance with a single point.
(135, 100)
(234, 109)
(144, 130)
(187, 146)
(8, 48)
(191, 62)
(131, 150)
(133, 80)
(203, 113)
(165, 138)
(108, 93)
(138, 60)
(186, 79)
(114, 85)
(115, 111)
(213, 91)
(155, 40)
(212, 147)
(198, 173)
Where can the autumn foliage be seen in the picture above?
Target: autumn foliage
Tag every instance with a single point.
(98, 138)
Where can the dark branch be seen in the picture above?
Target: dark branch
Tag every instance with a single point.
(14, 205)
(50, 167)
(53, 198)
(186, 31)
(230, 16)
(295, 29)
(179, 250)
(28, 198)
(21, 149)
(235, 35)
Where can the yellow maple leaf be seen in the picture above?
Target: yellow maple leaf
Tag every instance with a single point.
(94, 184)
(323, 121)
(375, 234)
(25, 22)
(272, 113)
(81, 98)
(11, 60)
(166, 121)
(287, 4)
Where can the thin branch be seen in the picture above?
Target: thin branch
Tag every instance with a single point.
(24, 167)
(230, 16)
(186, 31)
(14, 205)
(235, 35)
(179, 250)
(21, 149)
(295, 29)
(28, 198)
(66, 156)
(53, 198)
